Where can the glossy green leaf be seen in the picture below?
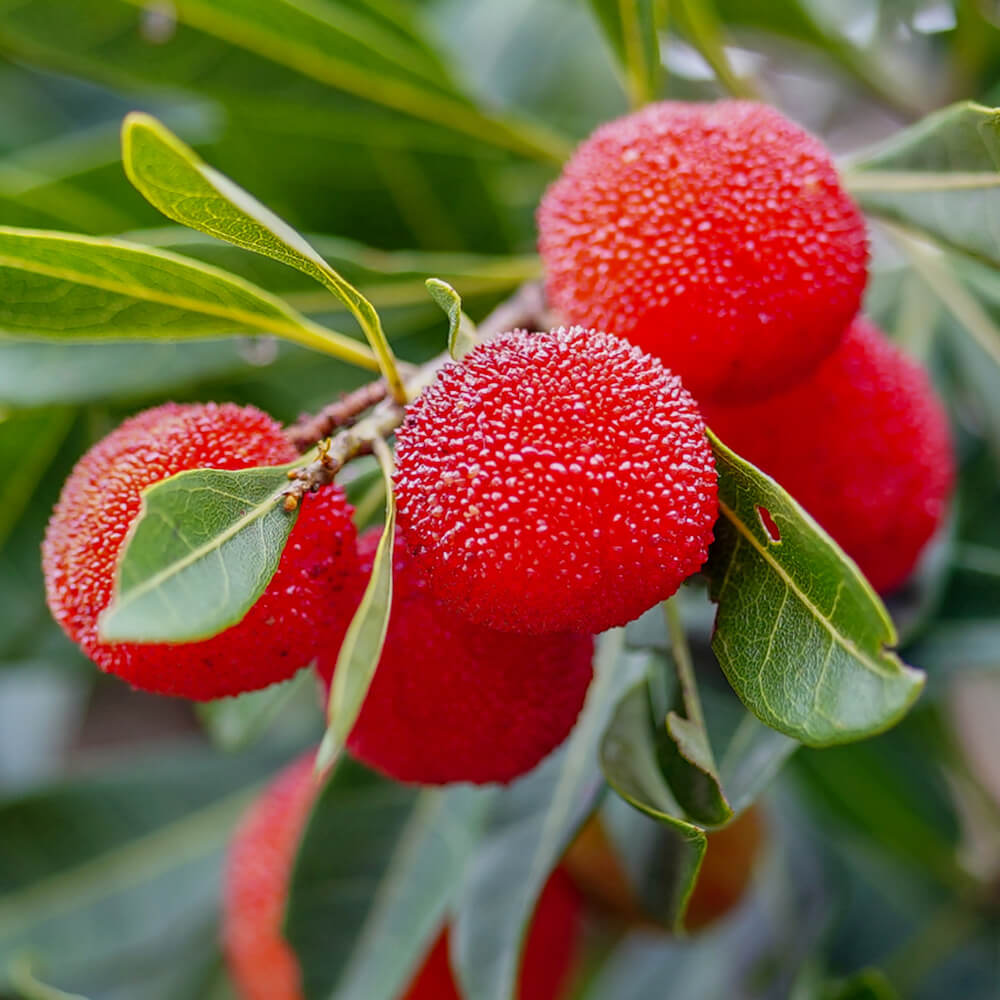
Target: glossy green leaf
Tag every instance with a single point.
(108, 877)
(462, 336)
(173, 178)
(346, 849)
(632, 767)
(60, 286)
(631, 29)
(531, 823)
(29, 441)
(202, 550)
(376, 950)
(940, 176)
(803, 639)
(362, 646)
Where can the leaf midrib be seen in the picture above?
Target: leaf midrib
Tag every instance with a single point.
(862, 657)
(875, 181)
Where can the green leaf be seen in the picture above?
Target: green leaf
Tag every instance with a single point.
(362, 646)
(173, 179)
(106, 878)
(832, 676)
(65, 287)
(940, 176)
(869, 984)
(28, 443)
(345, 850)
(753, 757)
(417, 865)
(532, 822)
(462, 336)
(631, 29)
(202, 550)
(632, 768)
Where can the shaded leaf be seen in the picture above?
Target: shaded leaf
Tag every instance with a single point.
(630, 764)
(202, 550)
(832, 676)
(362, 646)
(60, 286)
(531, 824)
(940, 176)
(411, 889)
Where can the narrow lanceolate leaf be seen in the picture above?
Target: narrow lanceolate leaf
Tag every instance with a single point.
(174, 179)
(462, 335)
(56, 286)
(377, 946)
(630, 27)
(803, 639)
(941, 176)
(362, 645)
(28, 444)
(631, 765)
(202, 550)
(530, 826)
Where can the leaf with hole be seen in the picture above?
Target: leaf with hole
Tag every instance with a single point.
(801, 636)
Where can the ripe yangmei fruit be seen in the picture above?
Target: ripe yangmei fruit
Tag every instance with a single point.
(100, 500)
(456, 701)
(723, 879)
(714, 236)
(555, 481)
(258, 871)
(863, 444)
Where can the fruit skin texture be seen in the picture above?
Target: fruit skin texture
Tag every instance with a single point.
(863, 445)
(454, 701)
(555, 481)
(715, 236)
(317, 572)
(258, 871)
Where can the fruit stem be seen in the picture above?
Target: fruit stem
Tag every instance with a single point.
(683, 662)
(307, 430)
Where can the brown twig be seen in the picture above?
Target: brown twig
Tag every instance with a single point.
(310, 428)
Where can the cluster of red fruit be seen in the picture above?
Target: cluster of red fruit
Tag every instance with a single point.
(553, 485)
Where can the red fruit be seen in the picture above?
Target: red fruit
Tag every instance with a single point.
(715, 236)
(863, 445)
(555, 481)
(317, 572)
(548, 951)
(258, 871)
(454, 701)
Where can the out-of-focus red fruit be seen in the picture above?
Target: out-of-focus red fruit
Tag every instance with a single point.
(555, 481)
(725, 874)
(258, 872)
(100, 500)
(863, 444)
(455, 701)
(548, 952)
(715, 236)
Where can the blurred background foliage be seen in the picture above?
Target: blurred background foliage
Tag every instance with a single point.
(415, 137)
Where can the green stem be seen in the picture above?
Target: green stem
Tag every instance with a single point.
(705, 31)
(683, 662)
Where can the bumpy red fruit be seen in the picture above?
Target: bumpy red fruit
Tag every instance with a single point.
(318, 569)
(715, 236)
(455, 701)
(555, 481)
(258, 871)
(863, 445)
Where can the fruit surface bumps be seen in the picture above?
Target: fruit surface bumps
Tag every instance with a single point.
(101, 499)
(555, 481)
(456, 701)
(863, 444)
(258, 872)
(715, 236)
